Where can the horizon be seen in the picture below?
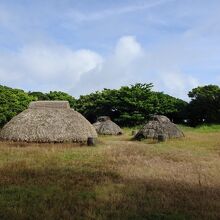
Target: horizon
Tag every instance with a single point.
(78, 97)
(83, 47)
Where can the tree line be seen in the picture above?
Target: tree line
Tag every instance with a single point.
(128, 106)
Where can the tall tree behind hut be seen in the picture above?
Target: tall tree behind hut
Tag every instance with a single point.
(12, 102)
(205, 105)
(130, 105)
(55, 95)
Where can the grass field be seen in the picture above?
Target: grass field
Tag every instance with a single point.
(117, 179)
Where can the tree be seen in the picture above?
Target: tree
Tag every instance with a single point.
(39, 95)
(12, 102)
(172, 107)
(55, 95)
(205, 105)
(130, 105)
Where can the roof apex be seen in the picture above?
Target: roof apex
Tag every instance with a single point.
(49, 104)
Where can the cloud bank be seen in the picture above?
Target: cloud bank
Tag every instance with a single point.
(56, 67)
(79, 47)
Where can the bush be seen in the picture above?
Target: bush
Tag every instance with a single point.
(12, 102)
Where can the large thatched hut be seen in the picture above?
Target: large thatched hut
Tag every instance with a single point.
(48, 121)
(105, 126)
(159, 125)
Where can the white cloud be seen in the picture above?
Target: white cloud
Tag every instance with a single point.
(127, 50)
(48, 65)
(50, 62)
(130, 64)
(177, 83)
(179, 43)
(56, 67)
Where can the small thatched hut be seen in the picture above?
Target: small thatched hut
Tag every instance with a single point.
(105, 126)
(48, 121)
(159, 125)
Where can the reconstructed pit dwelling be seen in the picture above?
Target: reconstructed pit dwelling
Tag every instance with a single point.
(159, 125)
(105, 126)
(48, 122)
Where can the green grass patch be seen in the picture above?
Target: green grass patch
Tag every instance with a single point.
(206, 128)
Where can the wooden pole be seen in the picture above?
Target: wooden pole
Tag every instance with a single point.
(162, 138)
(90, 141)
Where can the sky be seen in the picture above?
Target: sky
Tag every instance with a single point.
(81, 46)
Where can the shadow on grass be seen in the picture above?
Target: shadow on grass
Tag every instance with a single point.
(69, 193)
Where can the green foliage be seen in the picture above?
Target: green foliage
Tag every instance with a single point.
(62, 96)
(39, 95)
(172, 107)
(55, 95)
(205, 105)
(130, 105)
(12, 102)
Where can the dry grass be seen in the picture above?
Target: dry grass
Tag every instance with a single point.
(117, 179)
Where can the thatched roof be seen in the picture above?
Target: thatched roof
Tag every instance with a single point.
(105, 126)
(43, 122)
(159, 125)
(49, 104)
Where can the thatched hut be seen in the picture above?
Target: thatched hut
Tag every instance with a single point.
(159, 125)
(105, 126)
(48, 121)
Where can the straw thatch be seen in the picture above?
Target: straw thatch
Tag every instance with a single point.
(157, 126)
(105, 126)
(49, 104)
(45, 123)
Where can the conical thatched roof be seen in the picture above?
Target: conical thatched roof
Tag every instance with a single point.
(105, 126)
(48, 121)
(159, 125)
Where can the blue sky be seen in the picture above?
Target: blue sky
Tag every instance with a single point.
(87, 45)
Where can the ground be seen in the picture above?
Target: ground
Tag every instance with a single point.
(117, 179)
